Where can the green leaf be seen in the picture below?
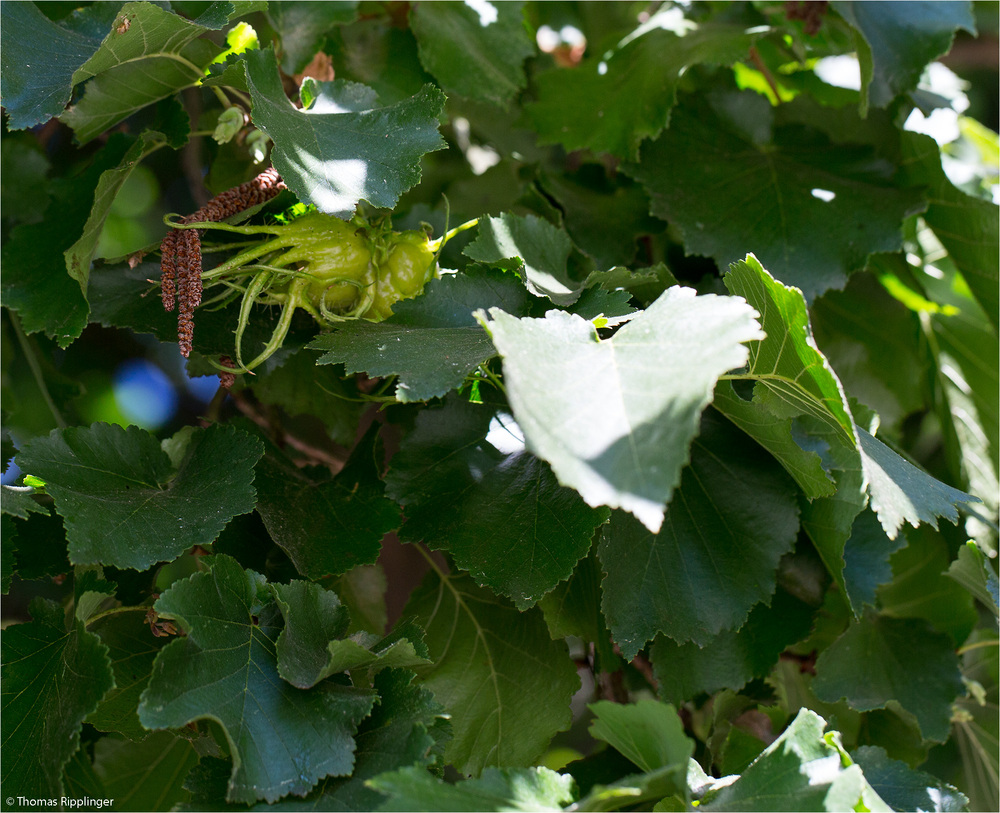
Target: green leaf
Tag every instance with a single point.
(631, 88)
(431, 342)
(394, 736)
(283, 740)
(81, 253)
(35, 282)
(777, 435)
(144, 775)
(26, 191)
(733, 657)
(775, 192)
(326, 524)
(733, 517)
(302, 27)
(505, 683)
(476, 52)
(614, 418)
(875, 662)
(19, 503)
(132, 646)
(904, 788)
(900, 492)
(335, 160)
(36, 90)
(542, 247)
(972, 570)
(498, 511)
(362, 590)
(527, 789)
(969, 228)
(648, 733)
(801, 770)
(312, 646)
(920, 587)
(122, 503)
(53, 677)
(898, 40)
(866, 560)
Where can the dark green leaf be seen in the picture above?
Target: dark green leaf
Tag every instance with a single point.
(327, 525)
(302, 27)
(500, 513)
(122, 503)
(34, 90)
(615, 417)
(505, 683)
(53, 677)
(132, 646)
(733, 517)
(526, 789)
(284, 740)
(147, 775)
(649, 733)
(25, 193)
(920, 587)
(881, 659)
(35, 282)
(542, 247)
(431, 342)
(42, 547)
(313, 618)
(733, 657)
(631, 89)
(973, 571)
(801, 770)
(899, 39)
(362, 590)
(19, 501)
(335, 160)
(394, 736)
(904, 788)
(775, 192)
(866, 560)
(474, 52)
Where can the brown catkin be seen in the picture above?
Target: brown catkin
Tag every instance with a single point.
(180, 251)
(226, 380)
(811, 12)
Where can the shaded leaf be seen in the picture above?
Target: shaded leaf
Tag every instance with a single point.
(147, 775)
(123, 504)
(474, 52)
(283, 740)
(335, 160)
(734, 194)
(881, 659)
(866, 560)
(326, 524)
(32, 94)
(733, 657)
(498, 511)
(53, 677)
(899, 39)
(527, 789)
(505, 683)
(20, 503)
(302, 27)
(431, 342)
(733, 517)
(543, 248)
(972, 570)
(614, 418)
(904, 788)
(631, 88)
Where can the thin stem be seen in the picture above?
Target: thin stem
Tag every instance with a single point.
(116, 611)
(258, 284)
(978, 645)
(36, 370)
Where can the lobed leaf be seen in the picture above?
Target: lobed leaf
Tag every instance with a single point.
(614, 418)
(123, 504)
(283, 740)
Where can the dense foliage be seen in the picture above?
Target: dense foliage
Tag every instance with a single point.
(603, 407)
